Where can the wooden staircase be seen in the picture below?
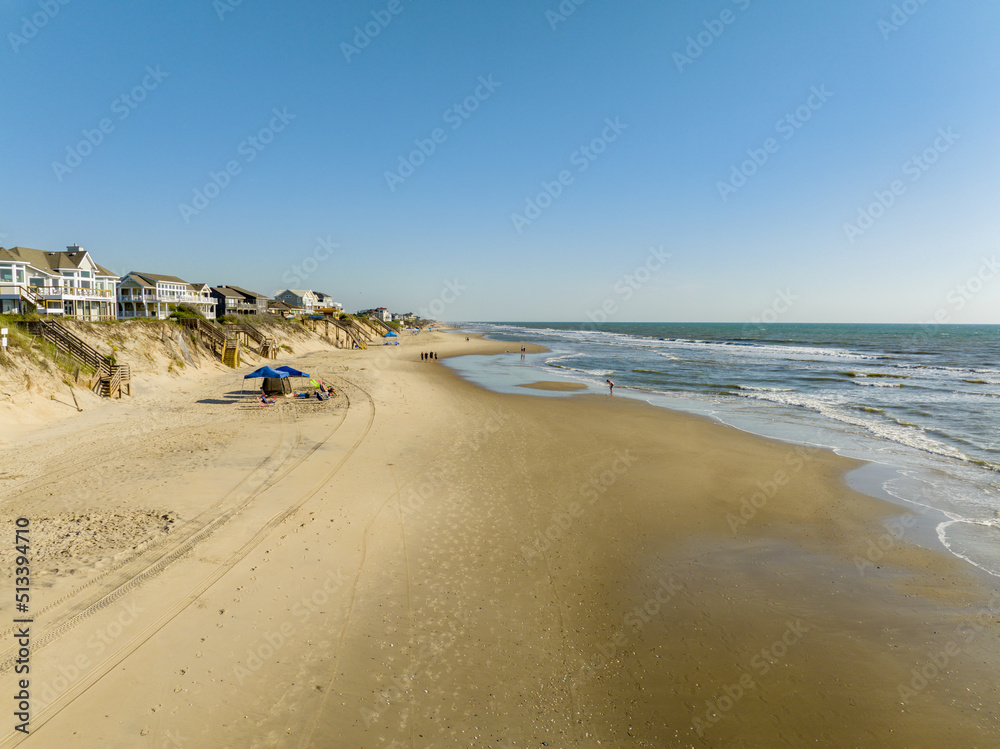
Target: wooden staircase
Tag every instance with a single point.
(231, 353)
(109, 380)
(225, 347)
(29, 296)
(112, 379)
(266, 346)
(355, 333)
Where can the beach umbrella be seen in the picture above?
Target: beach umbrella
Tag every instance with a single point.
(391, 334)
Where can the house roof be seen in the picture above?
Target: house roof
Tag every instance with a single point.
(279, 305)
(297, 292)
(50, 262)
(244, 292)
(227, 291)
(152, 278)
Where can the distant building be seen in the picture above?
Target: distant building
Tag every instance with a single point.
(66, 284)
(281, 308)
(325, 303)
(302, 298)
(378, 313)
(156, 296)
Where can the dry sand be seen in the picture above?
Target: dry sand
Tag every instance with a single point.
(421, 563)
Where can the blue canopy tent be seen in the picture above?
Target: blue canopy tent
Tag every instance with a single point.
(391, 334)
(274, 380)
(290, 371)
(264, 372)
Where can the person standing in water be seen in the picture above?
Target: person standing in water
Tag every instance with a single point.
(612, 386)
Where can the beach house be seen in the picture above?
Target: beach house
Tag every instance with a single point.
(254, 303)
(378, 313)
(303, 298)
(283, 308)
(229, 301)
(326, 305)
(66, 284)
(156, 296)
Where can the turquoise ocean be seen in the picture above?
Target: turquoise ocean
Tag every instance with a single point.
(921, 403)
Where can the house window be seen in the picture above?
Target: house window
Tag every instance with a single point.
(6, 275)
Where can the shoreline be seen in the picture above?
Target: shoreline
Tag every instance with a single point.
(429, 561)
(862, 479)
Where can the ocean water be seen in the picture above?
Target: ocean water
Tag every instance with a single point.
(920, 402)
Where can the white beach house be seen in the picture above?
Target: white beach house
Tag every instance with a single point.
(156, 296)
(66, 284)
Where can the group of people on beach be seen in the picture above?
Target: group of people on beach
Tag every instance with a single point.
(424, 355)
(322, 393)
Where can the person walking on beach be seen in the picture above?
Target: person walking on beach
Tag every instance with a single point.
(612, 386)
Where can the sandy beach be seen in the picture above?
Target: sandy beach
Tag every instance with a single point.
(422, 563)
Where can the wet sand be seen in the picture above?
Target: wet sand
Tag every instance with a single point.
(556, 386)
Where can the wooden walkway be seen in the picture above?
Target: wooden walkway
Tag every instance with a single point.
(110, 379)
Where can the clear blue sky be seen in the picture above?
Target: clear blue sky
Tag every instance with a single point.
(687, 112)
